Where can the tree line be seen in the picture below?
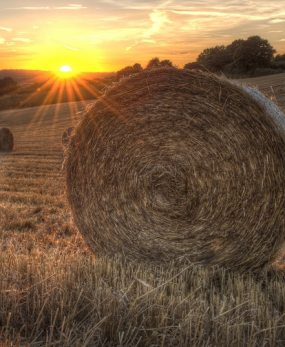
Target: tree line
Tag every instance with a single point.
(241, 56)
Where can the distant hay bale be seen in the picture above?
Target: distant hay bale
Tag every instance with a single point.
(6, 139)
(66, 136)
(172, 164)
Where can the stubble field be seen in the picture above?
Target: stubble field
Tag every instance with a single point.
(54, 292)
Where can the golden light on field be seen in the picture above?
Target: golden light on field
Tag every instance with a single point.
(64, 85)
(65, 68)
(65, 72)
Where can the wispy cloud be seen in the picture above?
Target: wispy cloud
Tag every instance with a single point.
(6, 29)
(2, 40)
(10, 43)
(75, 5)
(218, 14)
(21, 39)
(111, 19)
(68, 47)
(181, 53)
(149, 41)
(131, 46)
(159, 19)
(69, 7)
(28, 8)
(282, 40)
(277, 20)
(35, 27)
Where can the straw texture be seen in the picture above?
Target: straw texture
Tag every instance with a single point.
(172, 164)
(6, 139)
(66, 136)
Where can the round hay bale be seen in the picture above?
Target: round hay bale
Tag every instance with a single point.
(6, 139)
(173, 164)
(66, 136)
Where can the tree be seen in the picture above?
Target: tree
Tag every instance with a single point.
(137, 68)
(194, 66)
(215, 58)
(253, 53)
(279, 57)
(234, 46)
(166, 63)
(129, 70)
(155, 62)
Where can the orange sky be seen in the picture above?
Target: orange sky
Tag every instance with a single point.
(106, 35)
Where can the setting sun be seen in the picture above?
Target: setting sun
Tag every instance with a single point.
(65, 68)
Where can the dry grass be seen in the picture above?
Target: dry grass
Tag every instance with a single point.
(66, 136)
(53, 292)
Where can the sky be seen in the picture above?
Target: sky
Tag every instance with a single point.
(107, 35)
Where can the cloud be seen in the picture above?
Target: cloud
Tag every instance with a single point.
(35, 27)
(28, 8)
(111, 19)
(10, 43)
(21, 39)
(275, 31)
(68, 47)
(218, 14)
(181, 53)
(15, 54)
(277, 20)
(2, 40)
(6, 29)
(131, 46)
(176, 43)
(70, 7)
(282, 40)
(150, 41)
(159, 19)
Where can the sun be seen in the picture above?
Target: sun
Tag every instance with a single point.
(65, 68)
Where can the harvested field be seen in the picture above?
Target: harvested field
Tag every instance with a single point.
(273, 86)
(54, 292)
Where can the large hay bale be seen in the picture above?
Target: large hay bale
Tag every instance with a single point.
(66, 136)
(172, 163)
(6, 139)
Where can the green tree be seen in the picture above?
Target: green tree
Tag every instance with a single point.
(215, 58)
(254, 53)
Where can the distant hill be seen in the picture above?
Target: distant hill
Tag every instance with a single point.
(29, 76)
